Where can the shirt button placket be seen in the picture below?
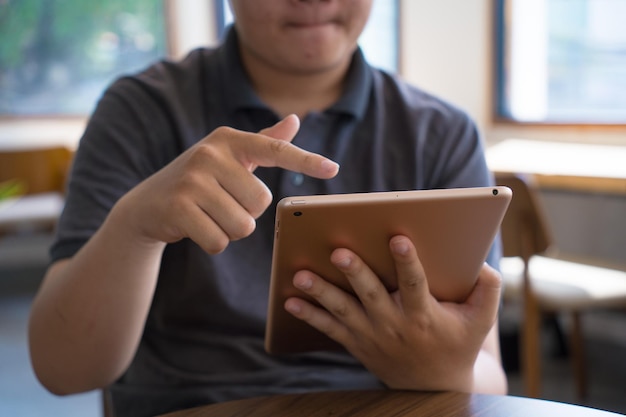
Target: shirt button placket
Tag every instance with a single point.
(297, 179)
(312, 130)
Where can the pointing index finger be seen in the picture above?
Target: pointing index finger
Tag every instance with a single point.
(279, 153)
(271, 147)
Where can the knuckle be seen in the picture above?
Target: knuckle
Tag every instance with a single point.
(188, 180)
(189, 175)
(423, 322)
(264, 198)
(259, 202)
(307, 159)
(328, 330)
(392, 332)
(340, 310)
(411, 282)
(279, 146)
(177, 203)
(180, 203)
(217, 244)
(244, 227)
(203, 152)
(221, 131)
(371, 295)
(325, 325)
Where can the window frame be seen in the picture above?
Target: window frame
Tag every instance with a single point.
(501, 15)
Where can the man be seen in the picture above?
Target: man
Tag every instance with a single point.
(158, 286)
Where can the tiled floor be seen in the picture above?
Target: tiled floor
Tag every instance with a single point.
(22, 263)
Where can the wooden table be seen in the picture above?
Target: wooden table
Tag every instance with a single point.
(385, 403)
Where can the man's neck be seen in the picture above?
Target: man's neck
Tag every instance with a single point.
(300, 94)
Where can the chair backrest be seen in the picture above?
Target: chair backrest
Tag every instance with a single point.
(39, 169)
(524, 229)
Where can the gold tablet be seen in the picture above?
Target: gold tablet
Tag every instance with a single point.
(452, 229)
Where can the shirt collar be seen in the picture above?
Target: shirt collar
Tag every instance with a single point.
(353, 101)
(356, 89)
(233, 74)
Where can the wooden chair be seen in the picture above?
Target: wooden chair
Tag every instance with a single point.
(107, 403)
(546, 284)
(41, 173)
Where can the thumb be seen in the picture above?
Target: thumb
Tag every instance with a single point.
(285, 129)
(485, 298)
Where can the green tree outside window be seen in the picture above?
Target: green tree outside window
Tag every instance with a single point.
(57, 56)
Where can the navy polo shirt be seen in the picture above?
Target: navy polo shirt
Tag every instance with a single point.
(203, 339)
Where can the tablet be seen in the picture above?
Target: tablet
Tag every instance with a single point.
(452, 230)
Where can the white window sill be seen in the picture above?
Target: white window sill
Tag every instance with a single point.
(25, 133)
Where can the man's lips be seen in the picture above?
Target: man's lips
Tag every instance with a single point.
(311, 24)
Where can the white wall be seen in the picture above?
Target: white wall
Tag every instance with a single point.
(192, 25)
(447, 49)
(444, 50)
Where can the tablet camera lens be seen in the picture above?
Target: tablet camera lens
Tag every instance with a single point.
(297, 213)
(495, 192)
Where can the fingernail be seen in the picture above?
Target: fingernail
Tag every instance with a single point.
(292, 307)
(344, 262)
(330, 166)
(303, 283)
(401, 247)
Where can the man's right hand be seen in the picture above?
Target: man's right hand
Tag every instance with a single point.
(101, 296)
(210, 193)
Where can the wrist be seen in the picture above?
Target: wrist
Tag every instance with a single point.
(126, 224)
(488, 375)
(456, 377)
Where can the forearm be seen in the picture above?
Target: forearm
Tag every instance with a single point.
(88, 317)
(489, 376)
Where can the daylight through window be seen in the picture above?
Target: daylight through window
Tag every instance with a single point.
(562, 61)
(56, 57)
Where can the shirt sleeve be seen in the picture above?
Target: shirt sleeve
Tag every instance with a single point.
(120, 147)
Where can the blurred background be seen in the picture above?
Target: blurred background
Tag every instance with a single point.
(544, 80)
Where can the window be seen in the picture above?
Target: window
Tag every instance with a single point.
(561, 61)
(56, 57)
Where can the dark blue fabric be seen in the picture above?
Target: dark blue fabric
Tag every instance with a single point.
(203, 339)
